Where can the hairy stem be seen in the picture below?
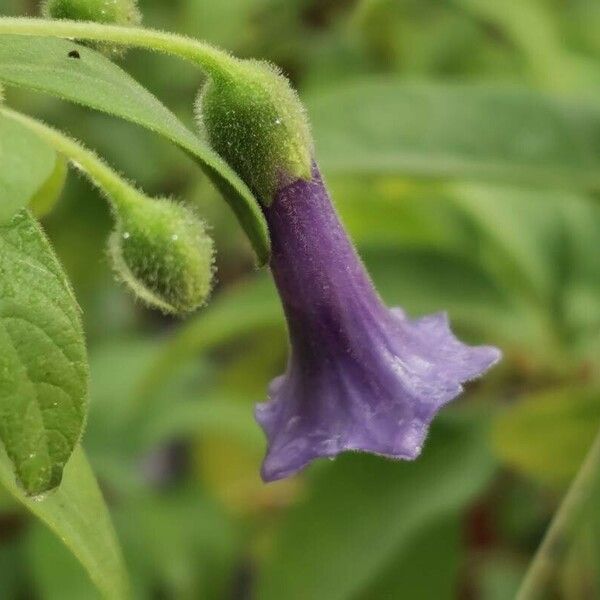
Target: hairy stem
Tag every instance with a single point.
(209, 58)
(109, 181)
(565, 520)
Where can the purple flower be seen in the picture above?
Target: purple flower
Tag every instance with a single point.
(360, 376)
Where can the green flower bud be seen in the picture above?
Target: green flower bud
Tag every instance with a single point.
(116, 12)
(162, 252)
(253, 118)
(112, 12)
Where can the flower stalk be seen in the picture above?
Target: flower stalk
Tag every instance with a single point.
(568, 516)
(211, 59)
(159, 249)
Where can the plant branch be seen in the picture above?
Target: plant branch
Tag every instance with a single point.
(208, 57)
(109, 181)
(565, 520)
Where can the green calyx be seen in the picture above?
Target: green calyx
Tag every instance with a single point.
(110, 12)
(254, 119)
(162, 252)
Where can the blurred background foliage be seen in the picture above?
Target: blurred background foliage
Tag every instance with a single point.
(171, 434)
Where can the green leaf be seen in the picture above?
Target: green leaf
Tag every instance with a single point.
(215, 414)
(244, 308)
(181, 543)
(227, 24)
(539, 248)
(547, 434)
(13, 566)
(525, 227)
(429, 280)
(77, 514)
(48, 195)
(499, 576)
(26, 163)
(580, 574)
(427, 567)
(362, 510)
(43, 361)
(530, 27)
(505, 134)
(53, 565)
(391, 211)
(44, 64)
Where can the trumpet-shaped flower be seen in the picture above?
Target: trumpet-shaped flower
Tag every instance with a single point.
(360, 377)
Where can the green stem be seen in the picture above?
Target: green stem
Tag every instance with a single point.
(567, 517)
(208, 57)
(118, 191)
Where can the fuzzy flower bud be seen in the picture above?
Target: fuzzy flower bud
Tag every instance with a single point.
(116, 12)
(162, 252)
(110, 12)
(253, 118)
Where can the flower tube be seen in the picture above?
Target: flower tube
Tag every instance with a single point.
(360, 377)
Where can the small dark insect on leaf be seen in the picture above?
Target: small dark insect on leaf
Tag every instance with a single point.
(74, 54)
